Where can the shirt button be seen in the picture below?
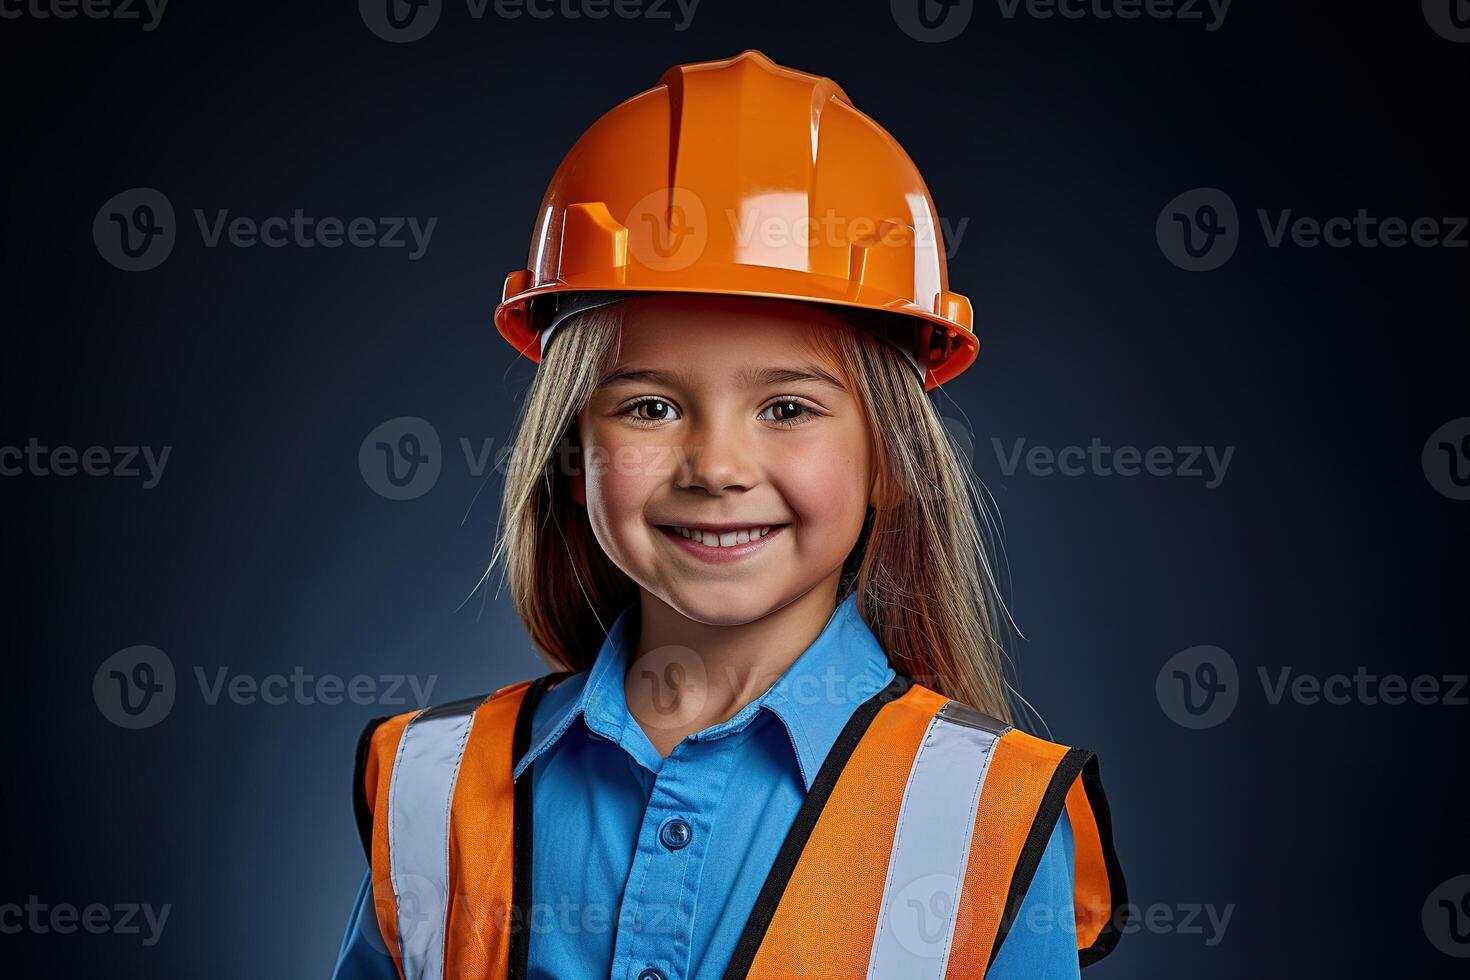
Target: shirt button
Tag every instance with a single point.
(651, 973)
(675, 833)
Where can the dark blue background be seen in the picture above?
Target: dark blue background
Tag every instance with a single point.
(263, 549)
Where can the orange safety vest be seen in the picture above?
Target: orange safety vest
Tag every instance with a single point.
(908, 859)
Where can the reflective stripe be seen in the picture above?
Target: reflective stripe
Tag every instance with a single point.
(422, 788)
(931, 845)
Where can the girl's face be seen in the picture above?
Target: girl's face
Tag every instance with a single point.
(721, 417)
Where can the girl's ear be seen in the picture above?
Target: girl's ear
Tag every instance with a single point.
(569, 454)
(882, 492)
(579, 488)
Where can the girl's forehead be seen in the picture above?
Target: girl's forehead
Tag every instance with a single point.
(678, 324)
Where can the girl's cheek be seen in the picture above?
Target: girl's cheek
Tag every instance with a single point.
(622, 476)
(825, 484)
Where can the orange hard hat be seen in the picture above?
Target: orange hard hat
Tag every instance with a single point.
(742, 177)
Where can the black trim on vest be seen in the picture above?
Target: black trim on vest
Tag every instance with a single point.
(362, 811)
(805, 822)
(1053, 802)
(524, 829)
(1112, 929)
(450, 709)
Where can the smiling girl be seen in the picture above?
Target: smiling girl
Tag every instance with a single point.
(777, 738)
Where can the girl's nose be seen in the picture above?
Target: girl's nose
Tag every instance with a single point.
(717, 457)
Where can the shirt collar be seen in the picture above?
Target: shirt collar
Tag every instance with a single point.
(813, 698)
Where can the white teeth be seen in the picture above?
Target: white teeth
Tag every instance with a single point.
(725, 539)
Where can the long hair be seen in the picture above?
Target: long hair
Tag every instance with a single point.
(921, 569)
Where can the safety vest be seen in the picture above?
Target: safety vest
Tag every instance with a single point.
(908, 859)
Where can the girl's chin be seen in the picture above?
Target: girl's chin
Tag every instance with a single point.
(734, 604)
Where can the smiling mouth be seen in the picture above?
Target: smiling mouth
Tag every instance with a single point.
(726, 545)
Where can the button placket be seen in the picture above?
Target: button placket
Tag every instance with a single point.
(672, 846)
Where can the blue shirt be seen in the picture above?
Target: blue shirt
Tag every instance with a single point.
(616, 891)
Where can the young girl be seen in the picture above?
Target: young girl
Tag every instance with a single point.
(777, 740)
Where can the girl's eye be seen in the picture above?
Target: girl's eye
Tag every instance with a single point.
(658, 410)
(653, 411)
(789, 412)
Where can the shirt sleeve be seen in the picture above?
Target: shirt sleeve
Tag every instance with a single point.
(1042, 942)
(363, 955)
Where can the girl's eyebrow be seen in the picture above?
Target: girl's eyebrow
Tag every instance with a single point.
(746, 377)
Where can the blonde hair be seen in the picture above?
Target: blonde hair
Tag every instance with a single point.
(920, 567)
